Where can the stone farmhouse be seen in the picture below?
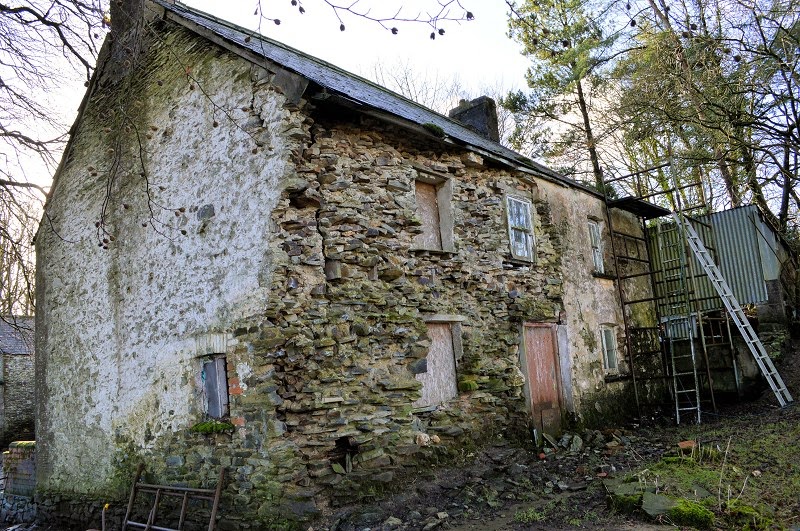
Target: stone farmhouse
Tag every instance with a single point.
(256, 260)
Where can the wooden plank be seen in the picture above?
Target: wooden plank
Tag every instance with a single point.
(428, 211)
(439, 382)
(543, 377)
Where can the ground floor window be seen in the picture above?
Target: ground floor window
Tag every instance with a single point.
(215, 386)
(439, 382)
(608, 339)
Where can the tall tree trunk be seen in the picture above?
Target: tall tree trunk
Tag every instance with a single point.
(719, 153)
(727, 178)
(755, 188)
(783, 214)
(591, 144)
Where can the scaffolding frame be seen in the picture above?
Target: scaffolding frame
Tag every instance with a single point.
(680, 312)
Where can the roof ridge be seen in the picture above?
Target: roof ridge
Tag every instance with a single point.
(360, 89)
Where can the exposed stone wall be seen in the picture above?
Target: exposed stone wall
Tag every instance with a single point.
(19, 467)
(18, 398)
(298, 264)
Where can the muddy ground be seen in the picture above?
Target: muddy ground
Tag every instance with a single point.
(510, 488)
(566, 485)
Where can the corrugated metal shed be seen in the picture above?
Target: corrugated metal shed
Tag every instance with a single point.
(747, 252)
(354, 87)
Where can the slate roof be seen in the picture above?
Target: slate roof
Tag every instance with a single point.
(16, 335)
(355, 88)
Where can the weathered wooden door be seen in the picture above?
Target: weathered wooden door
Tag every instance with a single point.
(543, 377)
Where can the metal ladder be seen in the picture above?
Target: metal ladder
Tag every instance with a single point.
(679, 325)
(735, 310)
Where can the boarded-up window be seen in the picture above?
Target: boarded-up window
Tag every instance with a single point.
(608, 338)
(597, 246)
(428, 212)
(439, 380)
(215, 387)
(520, 228)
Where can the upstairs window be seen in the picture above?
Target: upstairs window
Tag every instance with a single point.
(608, 340)
(597, 246)
(434, 197)
(520, 228)
(428, 211)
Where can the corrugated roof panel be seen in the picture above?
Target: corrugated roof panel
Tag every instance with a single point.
(665, 254)
(768, 247)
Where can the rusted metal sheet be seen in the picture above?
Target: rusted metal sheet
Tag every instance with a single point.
(428, 211)
(543, 377)
(439, 381)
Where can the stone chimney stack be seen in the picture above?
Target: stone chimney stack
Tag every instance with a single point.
(480, 115)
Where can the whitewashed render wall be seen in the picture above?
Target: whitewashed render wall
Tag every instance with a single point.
(125, 322)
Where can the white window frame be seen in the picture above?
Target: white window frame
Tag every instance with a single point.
(609, 345)
(521, 240)
(596, 243)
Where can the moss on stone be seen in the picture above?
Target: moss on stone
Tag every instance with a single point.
(691, 513)
(626, 503)
(747, 517)
(211, 426)
(434, 129)
(467, 384)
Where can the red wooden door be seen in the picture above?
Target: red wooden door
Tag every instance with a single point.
(543, 377)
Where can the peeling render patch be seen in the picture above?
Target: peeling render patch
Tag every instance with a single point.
(295, 269)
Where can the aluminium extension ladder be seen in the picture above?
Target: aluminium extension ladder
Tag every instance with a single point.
(735, 310)
(678, 327)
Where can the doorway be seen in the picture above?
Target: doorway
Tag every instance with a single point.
(542, 376)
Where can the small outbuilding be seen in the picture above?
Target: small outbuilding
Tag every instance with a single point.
(17, 391)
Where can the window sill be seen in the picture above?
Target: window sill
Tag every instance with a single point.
(606, 276)
(518, 261)
(433, 252)
(616, 377)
